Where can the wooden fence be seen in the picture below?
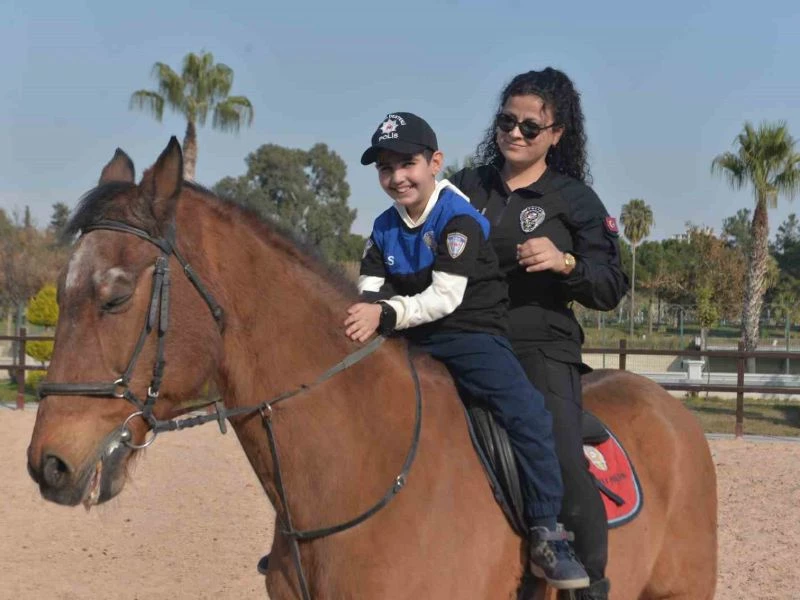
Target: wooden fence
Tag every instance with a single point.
(698, 386)
(17, 371)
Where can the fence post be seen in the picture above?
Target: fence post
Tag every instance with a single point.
(23, 332)
(623, 343)
(739, 429)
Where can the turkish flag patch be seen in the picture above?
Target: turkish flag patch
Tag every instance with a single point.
(610, 224)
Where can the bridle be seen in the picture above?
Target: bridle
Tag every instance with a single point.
(157, 318)
(157, 315)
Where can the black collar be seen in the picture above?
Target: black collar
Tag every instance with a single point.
(545, 184)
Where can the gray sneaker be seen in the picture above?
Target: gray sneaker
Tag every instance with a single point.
(553, 560)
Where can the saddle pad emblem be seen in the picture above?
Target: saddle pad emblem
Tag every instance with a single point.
(531, 217)
(616, 479)
(595, 457)
(456, 242)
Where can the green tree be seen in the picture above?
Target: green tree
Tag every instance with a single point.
(788, 234)
(59, 218)
(304, 191)
(766, 160)
(736, 230)
(637, 220)
(707, 313)
(42, 310)
(201, 88)
(29, 258)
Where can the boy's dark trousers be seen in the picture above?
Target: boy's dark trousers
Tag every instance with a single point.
(484, 367)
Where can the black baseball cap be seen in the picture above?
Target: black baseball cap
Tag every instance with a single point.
(401, 132)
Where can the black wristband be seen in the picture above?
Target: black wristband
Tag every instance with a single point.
(388, 319)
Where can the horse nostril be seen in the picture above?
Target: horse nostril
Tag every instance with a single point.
(55, 471)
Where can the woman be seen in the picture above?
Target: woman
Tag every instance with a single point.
(556, 244)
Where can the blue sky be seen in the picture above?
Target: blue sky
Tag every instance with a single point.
(665, 86)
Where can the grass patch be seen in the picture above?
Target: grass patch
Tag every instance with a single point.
(8, 393)
(761, 417)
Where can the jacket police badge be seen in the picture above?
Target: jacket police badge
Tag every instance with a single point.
(456, 242)
(530, 218)
(429, 239)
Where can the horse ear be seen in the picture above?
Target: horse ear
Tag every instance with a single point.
(119, 168)
(161, 183)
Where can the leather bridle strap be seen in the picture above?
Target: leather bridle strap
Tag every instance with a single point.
(157, 314)
(296, 535)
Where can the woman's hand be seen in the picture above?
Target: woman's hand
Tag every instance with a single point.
(539, 254)
(362, 321)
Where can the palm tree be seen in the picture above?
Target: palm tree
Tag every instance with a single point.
(766, 159)
(202, 87)
(637, 220)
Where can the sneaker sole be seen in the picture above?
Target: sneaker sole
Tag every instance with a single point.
(561, 584)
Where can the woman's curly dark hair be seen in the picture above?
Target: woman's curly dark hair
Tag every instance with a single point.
(561, 97)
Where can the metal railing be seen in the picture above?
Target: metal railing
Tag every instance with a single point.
(739, 389)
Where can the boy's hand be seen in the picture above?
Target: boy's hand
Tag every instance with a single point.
(362, 321)
(539, 254)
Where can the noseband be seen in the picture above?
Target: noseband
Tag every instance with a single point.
(158, 314)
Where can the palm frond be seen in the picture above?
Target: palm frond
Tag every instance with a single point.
(731, 167)
(149, 101)
(230, 114)
(170, 86)
(637, 220)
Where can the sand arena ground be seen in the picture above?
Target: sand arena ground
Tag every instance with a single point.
(193, 521)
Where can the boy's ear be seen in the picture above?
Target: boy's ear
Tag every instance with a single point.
(437, 160)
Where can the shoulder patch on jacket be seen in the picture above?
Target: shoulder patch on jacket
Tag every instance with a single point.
(610, 223)
(456, 242)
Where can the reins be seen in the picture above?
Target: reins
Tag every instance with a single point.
(158, 317)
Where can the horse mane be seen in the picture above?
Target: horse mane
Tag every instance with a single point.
(113, 201)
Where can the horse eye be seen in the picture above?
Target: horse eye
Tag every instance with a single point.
(115, 303)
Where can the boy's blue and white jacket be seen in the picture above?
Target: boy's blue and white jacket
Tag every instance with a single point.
(439, 273)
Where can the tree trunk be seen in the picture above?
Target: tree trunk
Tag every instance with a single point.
(756, 275)
(658, 324)
(189, 151)
(633, 286)
(650, 314)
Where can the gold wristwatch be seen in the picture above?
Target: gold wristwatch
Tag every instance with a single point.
(569, 262)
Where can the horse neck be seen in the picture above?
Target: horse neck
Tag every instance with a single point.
(283, 328)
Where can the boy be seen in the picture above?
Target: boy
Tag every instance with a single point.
(435, 277)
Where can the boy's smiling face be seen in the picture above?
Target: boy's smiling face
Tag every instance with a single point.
(409, 179)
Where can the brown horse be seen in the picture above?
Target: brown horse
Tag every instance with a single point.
(343, 442)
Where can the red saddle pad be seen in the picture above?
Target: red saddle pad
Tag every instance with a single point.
(619, 486)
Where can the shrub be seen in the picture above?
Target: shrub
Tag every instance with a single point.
(42, 310)
(32, 380)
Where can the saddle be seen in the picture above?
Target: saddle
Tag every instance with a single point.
(611, 469)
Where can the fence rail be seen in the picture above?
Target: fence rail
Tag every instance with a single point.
(18, 370)
(739, 389)
(622, 352)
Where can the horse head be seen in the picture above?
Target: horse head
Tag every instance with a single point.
(117, 300)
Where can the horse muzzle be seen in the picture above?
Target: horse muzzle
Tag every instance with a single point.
(96, 480)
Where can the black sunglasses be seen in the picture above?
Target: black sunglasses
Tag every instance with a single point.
(528, 129)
